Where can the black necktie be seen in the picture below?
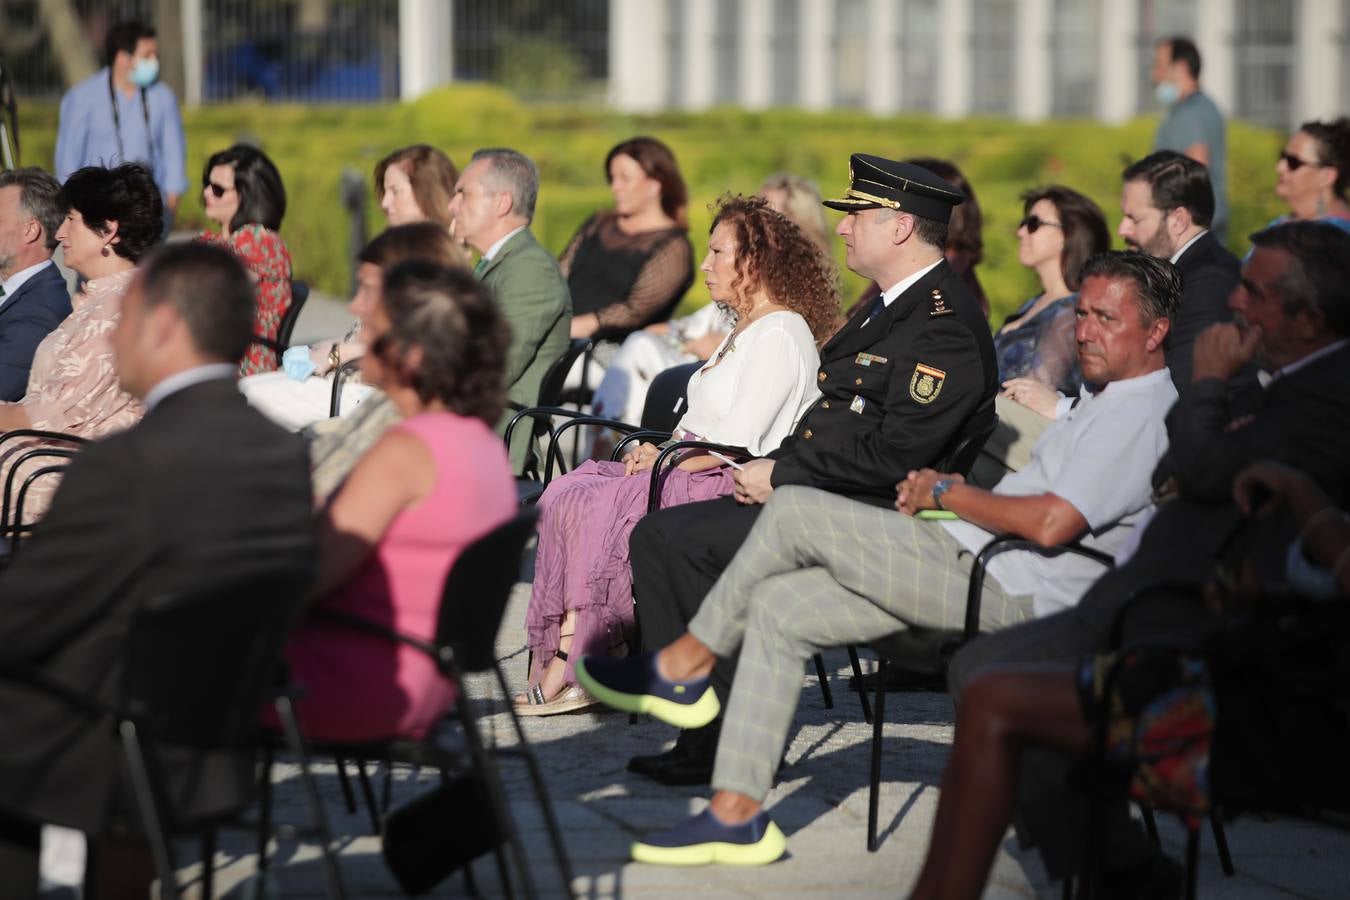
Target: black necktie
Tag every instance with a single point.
(878, 305)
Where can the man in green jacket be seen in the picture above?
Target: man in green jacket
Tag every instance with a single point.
(492, 209)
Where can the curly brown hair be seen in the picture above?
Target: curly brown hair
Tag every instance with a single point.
(775, 254)
(462, 337)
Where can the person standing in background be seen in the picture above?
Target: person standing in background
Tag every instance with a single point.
(1192, 124)
(123, 113)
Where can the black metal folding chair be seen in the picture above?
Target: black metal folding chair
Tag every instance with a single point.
(472, 606)
(199, 667)
(282, 342)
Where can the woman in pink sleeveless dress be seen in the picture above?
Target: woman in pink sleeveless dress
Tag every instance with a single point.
(430, 486)
(783, 291)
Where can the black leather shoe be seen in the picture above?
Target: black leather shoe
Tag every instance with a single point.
(682, 771)
(648, 765)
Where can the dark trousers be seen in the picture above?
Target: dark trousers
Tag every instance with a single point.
(20, 841)
(1051, 813)
(677, 555)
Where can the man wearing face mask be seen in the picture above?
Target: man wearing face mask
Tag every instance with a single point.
(1192, 124)
(123, 113)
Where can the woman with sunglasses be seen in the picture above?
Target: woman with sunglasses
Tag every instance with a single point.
(1313, 173)
(1059, 231)
(243, 194)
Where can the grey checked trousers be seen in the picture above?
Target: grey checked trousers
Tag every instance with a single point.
(819, 570)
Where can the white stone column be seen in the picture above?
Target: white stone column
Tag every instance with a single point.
(754, 56)
(816, 37)
(883, 63)
(193, 60)
(424, 46)
(1319, 27)
(1118, 55)
(1032, 85)
(638, 55)
(956, 61)
(700, 21)
(1215, 22)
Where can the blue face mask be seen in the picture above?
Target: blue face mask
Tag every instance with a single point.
(1167, 93)
(144, 73)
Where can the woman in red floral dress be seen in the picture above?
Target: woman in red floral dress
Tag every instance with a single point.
(243, 193)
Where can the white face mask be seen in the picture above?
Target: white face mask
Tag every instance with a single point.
(1167, 93)
(144, 72)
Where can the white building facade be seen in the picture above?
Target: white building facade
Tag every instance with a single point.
(1276, 62)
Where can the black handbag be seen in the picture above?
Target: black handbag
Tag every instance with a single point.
(440, 832)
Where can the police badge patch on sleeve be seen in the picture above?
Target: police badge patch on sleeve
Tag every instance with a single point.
(926, 383)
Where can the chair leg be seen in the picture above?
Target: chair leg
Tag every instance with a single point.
(348, 798)
(265, 808)
(874, 789)
(209, 863)
(149, 810)
(541, 793)
(857, 674)
(296, 741)
(1066, 890)
(1192, 861)
(387, 789)
(368, 794)
(470, 883)
(483, 762)
(1221, 842)
(824, 681)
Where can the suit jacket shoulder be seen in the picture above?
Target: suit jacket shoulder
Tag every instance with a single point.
(1209, 273)
(27, 316)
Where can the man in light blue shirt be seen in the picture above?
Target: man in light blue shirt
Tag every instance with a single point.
(1192, 125)
(123, 114)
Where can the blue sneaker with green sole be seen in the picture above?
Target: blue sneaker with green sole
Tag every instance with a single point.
(634, 685)
(705, 840)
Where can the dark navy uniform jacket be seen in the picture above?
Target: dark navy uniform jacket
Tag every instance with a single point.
(898, 394)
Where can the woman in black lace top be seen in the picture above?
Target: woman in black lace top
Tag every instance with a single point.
(629, 266)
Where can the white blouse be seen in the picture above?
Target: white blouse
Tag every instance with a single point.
(761, 387)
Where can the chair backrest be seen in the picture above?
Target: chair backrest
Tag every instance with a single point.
(200, 664)
(551, 388)
(477, 590)
(340, 376)
(666, 397)
(299, 294)
(962, 458)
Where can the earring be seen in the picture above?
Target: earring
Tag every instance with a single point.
(106, 250)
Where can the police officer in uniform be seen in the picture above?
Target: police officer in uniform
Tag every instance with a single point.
(907, 377)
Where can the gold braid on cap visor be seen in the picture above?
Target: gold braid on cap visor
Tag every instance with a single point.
(872, 198)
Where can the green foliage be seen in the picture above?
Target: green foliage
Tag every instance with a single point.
(720, 150)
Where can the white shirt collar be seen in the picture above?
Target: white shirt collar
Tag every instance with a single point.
(501, 241)
(1265, 378)
(17, 280)
(1186, 246)
(888, 296)
(186, 379)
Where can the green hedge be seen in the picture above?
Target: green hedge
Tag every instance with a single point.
(721, 150)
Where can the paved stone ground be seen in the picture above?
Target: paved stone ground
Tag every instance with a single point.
(820, 802)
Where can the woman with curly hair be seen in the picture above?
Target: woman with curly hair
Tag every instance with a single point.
(431, 485)
(783, 292)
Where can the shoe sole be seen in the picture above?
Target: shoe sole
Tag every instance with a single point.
(681, 715)
(553, 707)
(767, 849)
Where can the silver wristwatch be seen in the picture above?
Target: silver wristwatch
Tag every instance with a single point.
(942, 486)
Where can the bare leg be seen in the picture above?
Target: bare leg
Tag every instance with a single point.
(733, 808)
(686, 659)
(551, 681)
(1000, 713)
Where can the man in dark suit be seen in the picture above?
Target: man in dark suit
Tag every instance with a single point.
(910, 375)
(1167, 205)
(1291, 317)
(164, 506)
(33, 295)
(493, 207)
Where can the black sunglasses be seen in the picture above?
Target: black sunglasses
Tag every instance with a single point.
(1295, 163)
(1033, 223)
(217, 190)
